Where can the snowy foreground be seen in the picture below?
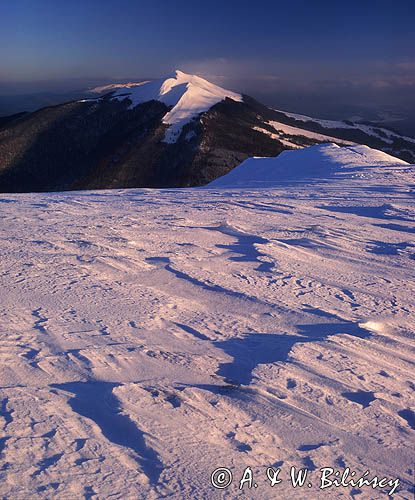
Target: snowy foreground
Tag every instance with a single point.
(149, 337)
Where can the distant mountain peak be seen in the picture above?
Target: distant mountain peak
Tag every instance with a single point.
(188, 95)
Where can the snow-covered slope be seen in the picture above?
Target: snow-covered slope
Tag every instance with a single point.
(371, 130)
(189, 95)
(320, 160)
(289, 135)
(148, 337)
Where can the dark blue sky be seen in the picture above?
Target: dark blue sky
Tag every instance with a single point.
(357, 49)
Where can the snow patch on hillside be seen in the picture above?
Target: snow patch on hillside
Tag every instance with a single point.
(380, 133)
(286, 134)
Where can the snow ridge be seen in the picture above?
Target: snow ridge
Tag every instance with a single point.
(321, 161)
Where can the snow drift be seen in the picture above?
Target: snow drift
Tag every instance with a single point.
(319, 160)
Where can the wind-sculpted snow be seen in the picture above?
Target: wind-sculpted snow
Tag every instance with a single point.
(148, 337)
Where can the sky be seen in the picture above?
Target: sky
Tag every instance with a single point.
(328, 55)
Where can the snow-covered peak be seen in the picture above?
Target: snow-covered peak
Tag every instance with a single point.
(315, 161)
(189, 95)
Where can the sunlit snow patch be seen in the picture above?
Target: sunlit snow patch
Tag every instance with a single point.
(373, 326)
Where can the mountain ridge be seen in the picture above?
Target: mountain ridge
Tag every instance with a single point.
(175, 132)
